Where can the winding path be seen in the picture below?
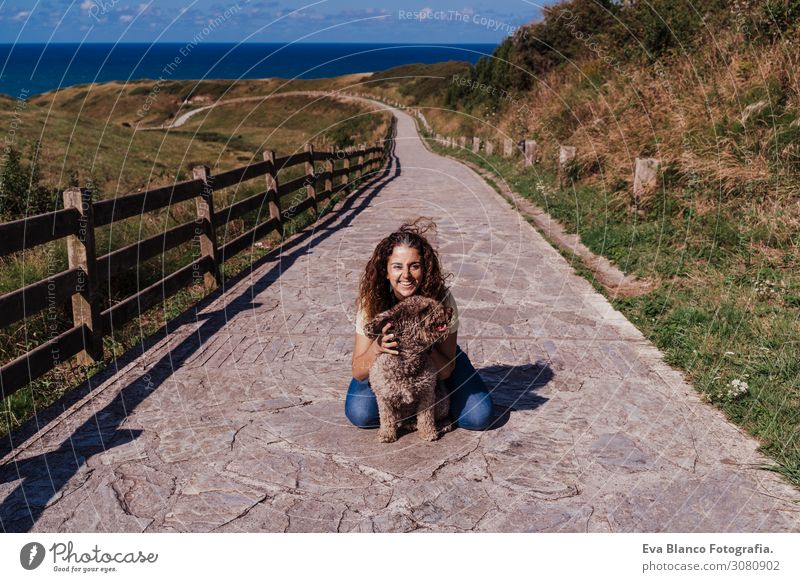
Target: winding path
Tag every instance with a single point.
(184, 117)
(233, 421)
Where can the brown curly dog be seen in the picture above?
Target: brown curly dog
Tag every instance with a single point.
(405, 384)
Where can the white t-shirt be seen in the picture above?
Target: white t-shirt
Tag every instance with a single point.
(449, 300)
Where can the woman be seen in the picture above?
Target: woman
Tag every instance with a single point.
(404, 264)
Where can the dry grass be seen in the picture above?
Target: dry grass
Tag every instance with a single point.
(716, 118)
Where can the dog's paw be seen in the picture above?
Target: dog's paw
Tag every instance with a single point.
(429, 436)
(386, 436)
(446, 427)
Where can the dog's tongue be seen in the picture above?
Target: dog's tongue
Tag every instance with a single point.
(441, 328)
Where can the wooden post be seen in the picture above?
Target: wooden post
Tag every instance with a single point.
(645, 180)
(207, 230)
(489, 147)
(81, 254)
(346, 165)
(329, 175)
(566, 160)
(531, 152)
(273, 201)
(476, 144)
(360, 161)
(311, 178)
(368, 161)
(508, 147)
(462, 142)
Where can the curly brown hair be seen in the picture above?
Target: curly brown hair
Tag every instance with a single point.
(374, 294)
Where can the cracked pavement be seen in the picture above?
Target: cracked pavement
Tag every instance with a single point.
(234, 420)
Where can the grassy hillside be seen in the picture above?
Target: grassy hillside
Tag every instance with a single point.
(151, 103)
(90, 130)
(715, 96)
(420, 85)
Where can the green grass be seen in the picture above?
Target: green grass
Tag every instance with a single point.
(725, 306)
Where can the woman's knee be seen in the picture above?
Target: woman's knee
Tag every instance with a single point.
(477, 413)
(360, 405)
(471, 404)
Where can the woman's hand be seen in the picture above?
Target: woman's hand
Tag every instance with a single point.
(386, 341)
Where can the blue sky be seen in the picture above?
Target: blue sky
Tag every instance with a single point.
(432, 22)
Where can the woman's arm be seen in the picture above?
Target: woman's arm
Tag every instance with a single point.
(443, 355)
(366, 350)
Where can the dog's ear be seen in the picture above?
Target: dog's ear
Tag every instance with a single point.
(418, 305)
(373, 328)
(448, 311)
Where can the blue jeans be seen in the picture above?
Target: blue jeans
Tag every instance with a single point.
(470, 402)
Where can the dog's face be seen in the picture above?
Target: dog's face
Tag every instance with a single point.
(417, 322)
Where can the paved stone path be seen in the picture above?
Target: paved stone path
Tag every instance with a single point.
(234, 421)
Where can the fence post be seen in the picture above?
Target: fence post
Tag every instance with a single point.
(311, 178)
(476, 144)
(367, 161)
(531, 152)
(489, 147)
(346, 166)
(81, 254)
(360, 161)
(329, 174)
(374, 157)
(273, 201)
(566, 163)
(207, 230)
(645, 180)
(508, 147)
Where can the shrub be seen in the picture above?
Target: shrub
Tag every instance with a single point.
(21, 193)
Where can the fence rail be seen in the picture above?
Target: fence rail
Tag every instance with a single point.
(76, 224)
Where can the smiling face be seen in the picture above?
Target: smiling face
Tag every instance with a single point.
(404, 271)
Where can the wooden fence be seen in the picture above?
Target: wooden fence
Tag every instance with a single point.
(77, 221)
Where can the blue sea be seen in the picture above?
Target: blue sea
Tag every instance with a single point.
(28, 69)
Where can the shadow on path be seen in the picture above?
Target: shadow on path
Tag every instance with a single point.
(513, 388)
(43, 477)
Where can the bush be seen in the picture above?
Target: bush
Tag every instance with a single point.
(21, 193)
(778, 17)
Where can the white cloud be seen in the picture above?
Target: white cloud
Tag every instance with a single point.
(22, 15)
(125, 18)
(87, 4)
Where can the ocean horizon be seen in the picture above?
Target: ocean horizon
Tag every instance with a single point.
(28, 69)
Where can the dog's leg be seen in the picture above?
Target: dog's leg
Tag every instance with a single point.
(426, 422)
(387, 433)
(442, 415)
